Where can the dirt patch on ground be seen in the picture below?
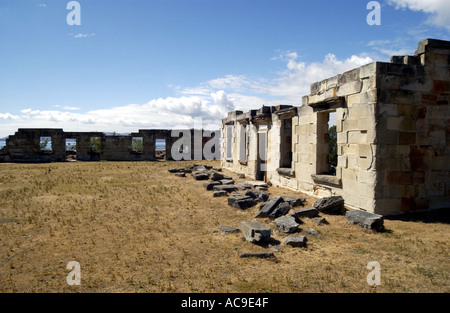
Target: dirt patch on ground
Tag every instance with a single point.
(134, 227)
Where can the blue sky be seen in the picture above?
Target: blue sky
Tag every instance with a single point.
(138, 64)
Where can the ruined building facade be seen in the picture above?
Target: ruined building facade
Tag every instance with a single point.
(393, 132)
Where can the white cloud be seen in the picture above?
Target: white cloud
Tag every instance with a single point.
(287, 87)
(69, 108)
(388, 48)
(438, 9)
(84, 35)
(42, 5)
(8, 116)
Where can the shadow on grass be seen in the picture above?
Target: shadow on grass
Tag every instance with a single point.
(432, 216)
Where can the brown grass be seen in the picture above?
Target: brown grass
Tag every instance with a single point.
(133, 227)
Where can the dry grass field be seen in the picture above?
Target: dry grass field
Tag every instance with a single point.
(134, 227)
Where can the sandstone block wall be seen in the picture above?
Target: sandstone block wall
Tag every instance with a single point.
(393, 133)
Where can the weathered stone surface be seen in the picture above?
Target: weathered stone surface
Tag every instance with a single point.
(219, 193)
(287, 224)
(281, 209)
(240, 201)
(258, 195)
(296, 241)
(261, 255)
(269, 207)
(294, 201)
(210, 185)
(227, 188)
(176, 170)
(229, 229)
(255, 184)
(365, 219)
(181, 174)
(227, 182)
(306, 212)
(332, 204)
(199, 168)
(244, 185)
(200, 175)
(261, 188)
(217, 169)
(216, 176)
(240, 175)
(286, 172)
(255, 232)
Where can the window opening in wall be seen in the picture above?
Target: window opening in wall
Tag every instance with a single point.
(243, 144)
(286, 143)
(326, 143)
(160, 149)
(229, 155)
(332, 143)
(96, 145)
(45, 144)
(261, 169)
(71, 149)
(137, 144)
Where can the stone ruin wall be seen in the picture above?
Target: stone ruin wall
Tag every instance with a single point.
(393, 133)
(24, 146)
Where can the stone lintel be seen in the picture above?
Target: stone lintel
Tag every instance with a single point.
(327, 180)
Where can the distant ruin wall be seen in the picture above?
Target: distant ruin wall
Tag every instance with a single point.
(25, 146)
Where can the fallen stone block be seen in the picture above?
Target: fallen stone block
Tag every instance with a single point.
(227, 182)
(199, 168)
(210, 185)
(200, 175)
(181, 174)
(282, 209)
(229, 229)
(286, 224)
(333, 204)
(296, 241)
(271, 204)
(240, 201)
(176, 170)
(294, 201)
(227, 188)
(244, 185)
(255, 184)
(220, 193)
(261, 188)
(216, 176)
(258, 195)
(261, 255)
(217, 169)
(255, 232)
(307, 212)
(365, 219)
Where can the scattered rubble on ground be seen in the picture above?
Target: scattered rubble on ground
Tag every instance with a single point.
(281, 212)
